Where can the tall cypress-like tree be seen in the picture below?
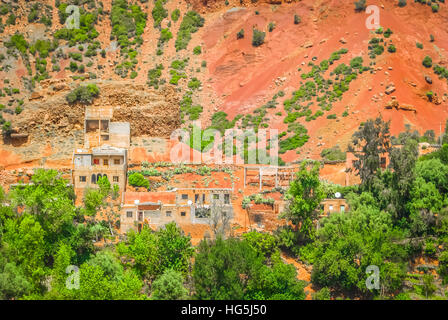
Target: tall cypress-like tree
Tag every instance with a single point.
(369, 143)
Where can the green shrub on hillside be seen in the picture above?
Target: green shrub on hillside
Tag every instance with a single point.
(258, 37)
(197, 50)
(136, 179)
(392, 48)
(240, 34)
(427, 62)
(83, 94)
(175, 15)
(159, 13)
(333, 154)
(191, 22)
(165, 35)
(360, 5)
(17, 42)
(154, 75)
(194, 84)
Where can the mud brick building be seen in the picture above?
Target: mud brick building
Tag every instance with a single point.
(185, 206)
(90, 165)
(100, 130)
(105, 151)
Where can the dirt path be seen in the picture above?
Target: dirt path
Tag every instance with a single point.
(303, 273)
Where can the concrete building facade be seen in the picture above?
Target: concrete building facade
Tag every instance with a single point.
(104, 154)
(184, 206)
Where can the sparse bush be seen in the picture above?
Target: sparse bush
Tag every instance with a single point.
(333, 154)
(136, 179)
(240, 34)
(194, 84)
(271, 26)
(154, 75)
(197, 50)
(392, 48)
(258, 37)
(191, 22)
(401, 3)
(83, 94)
(165, 35)
(435, 7)
(388, 33)
(7, 128)
(175, 15)
(427, 62)
(297, 19)
(360, 5)
(159, 13)
(76, 56)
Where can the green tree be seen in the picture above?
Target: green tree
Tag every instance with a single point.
(136, 179)
(169, 286)
(369, 143)
(174, 248)
(278, 282)
(443, 266)
(349, 242)
(223, 269)
(49, 200)
(23, 244)
(402, 162)
(322, 294)
(433, 170)
(264, 243)
(13, 282)
(304, 195)
(141, 252)
(428, 284)
(425, 202)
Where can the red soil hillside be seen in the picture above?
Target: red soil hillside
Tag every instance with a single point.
(245, 75)
(235, 77)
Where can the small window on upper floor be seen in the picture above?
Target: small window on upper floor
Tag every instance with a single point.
(168, 213)
(82, 178)
(226, 198)
(106, 162)
(116, 179)
(183, 213)
(215, 196)
(185, 197)
(116, 161)
(96, 161)
(129, 214)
